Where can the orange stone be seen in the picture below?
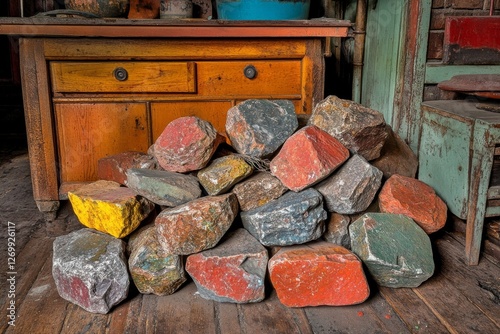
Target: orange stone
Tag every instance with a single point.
(319, 273)
(415, 199)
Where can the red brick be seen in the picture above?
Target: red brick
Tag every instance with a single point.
(318, 273)
(415, 199)
(435, 46)
(467, 4)
(307, 157)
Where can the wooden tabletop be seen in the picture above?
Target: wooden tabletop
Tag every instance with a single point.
(118, 27)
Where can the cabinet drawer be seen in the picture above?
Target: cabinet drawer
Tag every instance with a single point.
(271, 78)
(120, 77)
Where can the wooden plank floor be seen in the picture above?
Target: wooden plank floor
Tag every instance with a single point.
(457, 299)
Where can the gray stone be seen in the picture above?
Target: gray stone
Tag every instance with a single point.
(233, 271)
(337, 230)
(352, 188)
(362, 130)
(294, 218)
(163, 187)
(90, 270)
(257, 190)
(396, 251)
(222, 173)
(259, 127)
(197, 225)
(153, 270)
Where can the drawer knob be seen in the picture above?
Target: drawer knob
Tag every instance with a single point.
(120, 74)
(250, 71)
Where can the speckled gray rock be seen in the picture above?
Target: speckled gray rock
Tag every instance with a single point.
(396, 251)
(259, 127)
(222, 173)
(233, 271)
(294, 218)
(352, 188)
(90, 270)
(362, 130)
(257, 190)
(152, 270)
(163, 187)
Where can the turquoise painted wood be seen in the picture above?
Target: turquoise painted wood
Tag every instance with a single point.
(456, 155)
(443, 164)
(435, 73)
(384, 33)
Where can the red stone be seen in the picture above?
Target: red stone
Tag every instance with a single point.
(186, 144)
(318, 273)
(307, 157)
(415, 199)
(233, 271)
(113, 168)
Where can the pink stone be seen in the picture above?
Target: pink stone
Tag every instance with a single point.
(307, 157)
(415, 199)
(233, 271)
(114, 167)
(319, 273)
(186, 144)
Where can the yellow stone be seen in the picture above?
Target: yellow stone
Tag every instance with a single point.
(109, 208)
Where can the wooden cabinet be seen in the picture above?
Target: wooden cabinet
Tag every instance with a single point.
(97, 88)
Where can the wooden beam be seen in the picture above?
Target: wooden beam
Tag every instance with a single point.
(435, 73)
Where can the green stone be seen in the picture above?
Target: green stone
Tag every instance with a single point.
(396, 251)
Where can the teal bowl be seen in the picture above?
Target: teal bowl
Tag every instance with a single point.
(263, 9)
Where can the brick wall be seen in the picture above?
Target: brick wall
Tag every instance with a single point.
(443, 8)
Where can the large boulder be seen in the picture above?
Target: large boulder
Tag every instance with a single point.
(233, 271)
(396, 251)
(90, 270)
(259, 127)
(362, 130)
(197, 225)
(318, 273)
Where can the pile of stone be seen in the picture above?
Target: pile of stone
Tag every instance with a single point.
(305, 206)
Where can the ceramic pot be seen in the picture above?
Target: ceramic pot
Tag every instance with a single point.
(102, 8)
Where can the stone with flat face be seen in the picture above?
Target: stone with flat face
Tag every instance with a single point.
(294, 218)
(352, 187)
(362, 130)
(186, 144)
(114, 167)
(90, 270)
(307, 157)
(396, 251)
(222, 173)
(259, 127)
(163, 187)
(153, 270)
(197, 225)
(318, 273)
(233, 271)
(257, 190)
(109, 208)
(414, 198)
